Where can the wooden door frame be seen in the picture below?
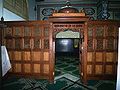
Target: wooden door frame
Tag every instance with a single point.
(73, 19)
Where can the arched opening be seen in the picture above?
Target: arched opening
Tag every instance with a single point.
(67, 54)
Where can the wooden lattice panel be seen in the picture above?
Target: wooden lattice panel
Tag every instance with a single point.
(99, 44)
(36, 56)
(37, 31)
(89, 69)
(18, 68)
(110, 43)
(27, 31)
(26, 56)
(89, 56)
(27, 68)
(46, 31)
(109, 57)
(90, 31)
(46, 68)
(98, 69)
(99, 31)
(27, 43)
(17, 55)
(110, 31)
(99, 57)
(9, 43)
(46, 43)
(36, 68)
(37, 43)
(90, 43)
(18, 31)
(18, 43)
(8, 31)
(46, 56)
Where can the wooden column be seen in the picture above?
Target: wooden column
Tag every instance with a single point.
(85, 55)
(51, 76)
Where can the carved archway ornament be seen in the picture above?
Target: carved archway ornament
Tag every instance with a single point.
(68, 34)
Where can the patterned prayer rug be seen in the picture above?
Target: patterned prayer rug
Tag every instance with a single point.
(64, 82)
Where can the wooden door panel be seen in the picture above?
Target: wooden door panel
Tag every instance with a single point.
(36, 56)
(110, 57)
(89, 56)
(18, 68)
(37, 68)
(46, 69)
(89, 69)
(26, 56)
(17, 56)
(98, 69)
(27, 68)
(99, 57)
(46, 56)
(109, 69)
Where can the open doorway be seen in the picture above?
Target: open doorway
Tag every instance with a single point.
(67, 54)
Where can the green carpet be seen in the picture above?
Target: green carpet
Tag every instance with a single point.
(62, 83)
(67, 65)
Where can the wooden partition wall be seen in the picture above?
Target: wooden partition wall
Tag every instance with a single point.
(27, 43)
(31, 51)
(102, 46)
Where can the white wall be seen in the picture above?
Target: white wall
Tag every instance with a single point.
(9, 16)
(118, 68)
(1, 8)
